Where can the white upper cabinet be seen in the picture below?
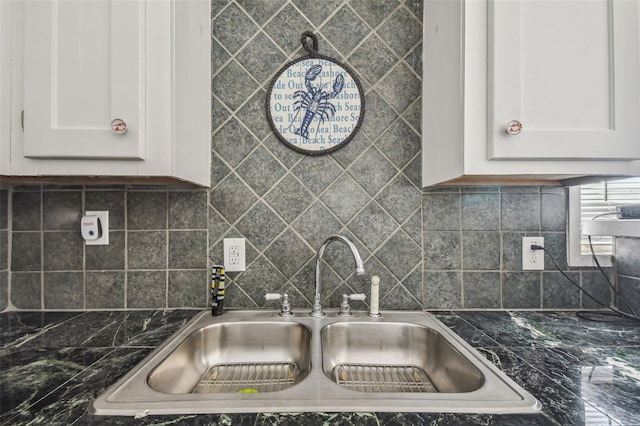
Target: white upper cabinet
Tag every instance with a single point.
(530, 90)
(109, 88)
(84, 64)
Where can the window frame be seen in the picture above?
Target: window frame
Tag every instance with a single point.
(574, 227)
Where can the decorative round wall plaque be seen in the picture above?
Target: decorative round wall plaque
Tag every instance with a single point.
(315, 104)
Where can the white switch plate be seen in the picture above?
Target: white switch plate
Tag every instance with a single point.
(234, 254)
(532, 260)
(103, 216)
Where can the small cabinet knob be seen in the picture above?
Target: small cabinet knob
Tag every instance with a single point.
(514, 127)
(118, 126)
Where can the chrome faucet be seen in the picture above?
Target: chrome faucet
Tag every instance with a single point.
(317, 305)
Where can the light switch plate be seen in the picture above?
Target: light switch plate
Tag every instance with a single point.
(234, 254)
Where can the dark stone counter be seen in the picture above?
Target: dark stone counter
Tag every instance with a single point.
(52, 365)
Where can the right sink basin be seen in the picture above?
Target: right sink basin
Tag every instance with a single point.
(395, 357)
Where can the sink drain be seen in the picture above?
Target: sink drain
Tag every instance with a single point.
(247, 378)
(383, 378)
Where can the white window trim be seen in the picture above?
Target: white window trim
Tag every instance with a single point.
(574, 252)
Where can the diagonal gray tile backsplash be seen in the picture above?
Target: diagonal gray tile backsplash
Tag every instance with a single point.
(440, 248)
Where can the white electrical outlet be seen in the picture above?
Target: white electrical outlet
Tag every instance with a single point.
(234, 258)
(103, 216)
(532, 260)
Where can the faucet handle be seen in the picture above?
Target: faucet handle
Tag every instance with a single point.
(345, 309)
(285, 308)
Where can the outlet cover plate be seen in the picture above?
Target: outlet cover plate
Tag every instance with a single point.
(234, 254)
(532, 260)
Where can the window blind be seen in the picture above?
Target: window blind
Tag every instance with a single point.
(599, 201)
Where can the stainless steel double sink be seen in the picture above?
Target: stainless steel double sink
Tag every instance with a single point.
(257, 361)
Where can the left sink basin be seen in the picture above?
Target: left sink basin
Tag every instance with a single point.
(245, 357)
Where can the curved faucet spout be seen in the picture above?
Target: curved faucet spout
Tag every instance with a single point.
(317, 305)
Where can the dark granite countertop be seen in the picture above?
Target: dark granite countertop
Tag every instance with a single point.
(52, 365)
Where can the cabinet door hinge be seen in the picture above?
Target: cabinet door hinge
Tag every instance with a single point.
(22, 120)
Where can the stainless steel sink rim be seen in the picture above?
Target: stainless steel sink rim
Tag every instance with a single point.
(132, 396)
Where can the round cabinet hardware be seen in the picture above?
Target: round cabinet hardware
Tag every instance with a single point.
(118, 126)
(514, 127)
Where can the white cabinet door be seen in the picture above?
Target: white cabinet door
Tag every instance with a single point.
(84, 68)
(568, 72)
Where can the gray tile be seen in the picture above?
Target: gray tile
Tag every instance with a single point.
(482, 290)
(442, 290)
(4, 290)
(416, 7)
(107, 257)
(62, 251)
(254, 116)
(378, 116)
(261, 11)
(147, 250)
(289, 253)
(282, 152)
(345, 198)
(217, 226)
(372, 225)
(627, 254)
(188, 289)
(4, 250)
(146, 210)
(348, 153)
(316, 224)
(481, 250)
(219, 170)
(400, 254)
(262, 278)
(402, 31)
(629, 289)
(374, 12)
(4, 207)
(553, 212)
(361, 171)
(512, 250)
(520, 212)
(26, 211)
(556, 244)
(220, 113)
(413, 171)
(232, 198)
(261, 58)
(63, 290)
(26, 290)
(400, 87)
(521, 290)
(317, 11)
(233, 143)
(316, 173)
(481, 212)
(261, 226)
(413, 227)
(260, 170)
(413, 114)
(187, 249)
(558, 292)
(25, 251)
(112, 201)
(441, 212)
(286, 28)
(370, 70)
(400, 298)
(146, 289)
(442, 250)
(400, 144)
(289, 198)
(594, 283)
(187, 210)
(233, 86)
(345, 29)
(236, 297)
(233, 28)
(105, 290)
(62, 210)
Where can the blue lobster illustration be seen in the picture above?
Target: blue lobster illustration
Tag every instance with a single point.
(315, 100)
